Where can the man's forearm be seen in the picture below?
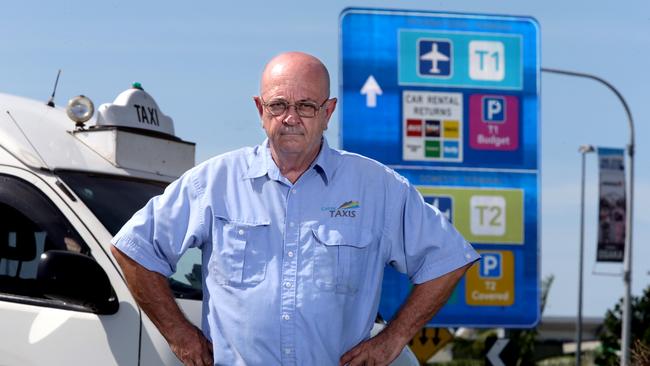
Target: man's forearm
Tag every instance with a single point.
(422, 304)
(151, 291)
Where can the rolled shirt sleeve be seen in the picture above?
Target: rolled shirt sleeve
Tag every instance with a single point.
(159, 233)
(423, 243)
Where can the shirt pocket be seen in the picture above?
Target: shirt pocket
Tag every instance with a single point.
(340, 257)
(239, 251)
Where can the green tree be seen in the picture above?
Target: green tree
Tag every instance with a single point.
(610, 337)
(640, 353)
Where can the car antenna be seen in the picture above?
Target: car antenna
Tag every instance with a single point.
(50, 102)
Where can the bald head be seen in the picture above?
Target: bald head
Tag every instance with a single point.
(295, 108)
(296, 68)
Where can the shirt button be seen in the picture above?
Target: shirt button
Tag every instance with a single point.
(285, 316)
(468, 256)
(292, 224)
(290, 254)
(294, 191)
(241, 231)
(287, 284)
(287, 351)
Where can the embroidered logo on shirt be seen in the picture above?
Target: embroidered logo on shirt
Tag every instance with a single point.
(349, 205)
(347, 209)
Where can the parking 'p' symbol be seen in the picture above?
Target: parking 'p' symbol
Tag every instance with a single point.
(490, 265)
(493, 109)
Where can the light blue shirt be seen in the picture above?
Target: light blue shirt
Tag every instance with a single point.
(292, 272)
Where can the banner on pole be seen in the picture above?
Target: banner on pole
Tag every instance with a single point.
(611, 205)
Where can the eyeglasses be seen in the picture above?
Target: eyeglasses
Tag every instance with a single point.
(304, 108)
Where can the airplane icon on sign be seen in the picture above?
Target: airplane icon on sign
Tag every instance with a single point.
(435, 55)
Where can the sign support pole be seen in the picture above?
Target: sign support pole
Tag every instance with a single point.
(627, 261)
(584, 149)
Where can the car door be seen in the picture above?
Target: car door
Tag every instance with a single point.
(38, 326)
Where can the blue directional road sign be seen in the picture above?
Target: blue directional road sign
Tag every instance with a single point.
(451, 101)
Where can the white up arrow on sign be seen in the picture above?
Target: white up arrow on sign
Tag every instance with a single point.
(371, 89)
(494, 354)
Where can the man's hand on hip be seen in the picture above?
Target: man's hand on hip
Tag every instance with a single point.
(151, 291)
(379, 350)
(423, 302)
(191, 347)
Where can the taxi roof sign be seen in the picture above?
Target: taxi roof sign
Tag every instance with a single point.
(135, 108)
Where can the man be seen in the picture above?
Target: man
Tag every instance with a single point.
(295, 237)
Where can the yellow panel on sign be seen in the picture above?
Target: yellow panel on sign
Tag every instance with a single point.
(450, 129)
(428, 341)
(491, 281)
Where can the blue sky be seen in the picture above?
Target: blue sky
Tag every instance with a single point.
(201, 61)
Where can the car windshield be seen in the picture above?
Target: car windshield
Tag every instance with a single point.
(114, 199)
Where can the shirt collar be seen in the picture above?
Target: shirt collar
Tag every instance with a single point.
(257, 165)
(261, 162)
(323, 162)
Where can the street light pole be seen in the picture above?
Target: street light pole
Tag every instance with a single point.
(627, 259)
(584, 149)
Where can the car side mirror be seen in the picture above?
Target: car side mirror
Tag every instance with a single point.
(77, 280)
